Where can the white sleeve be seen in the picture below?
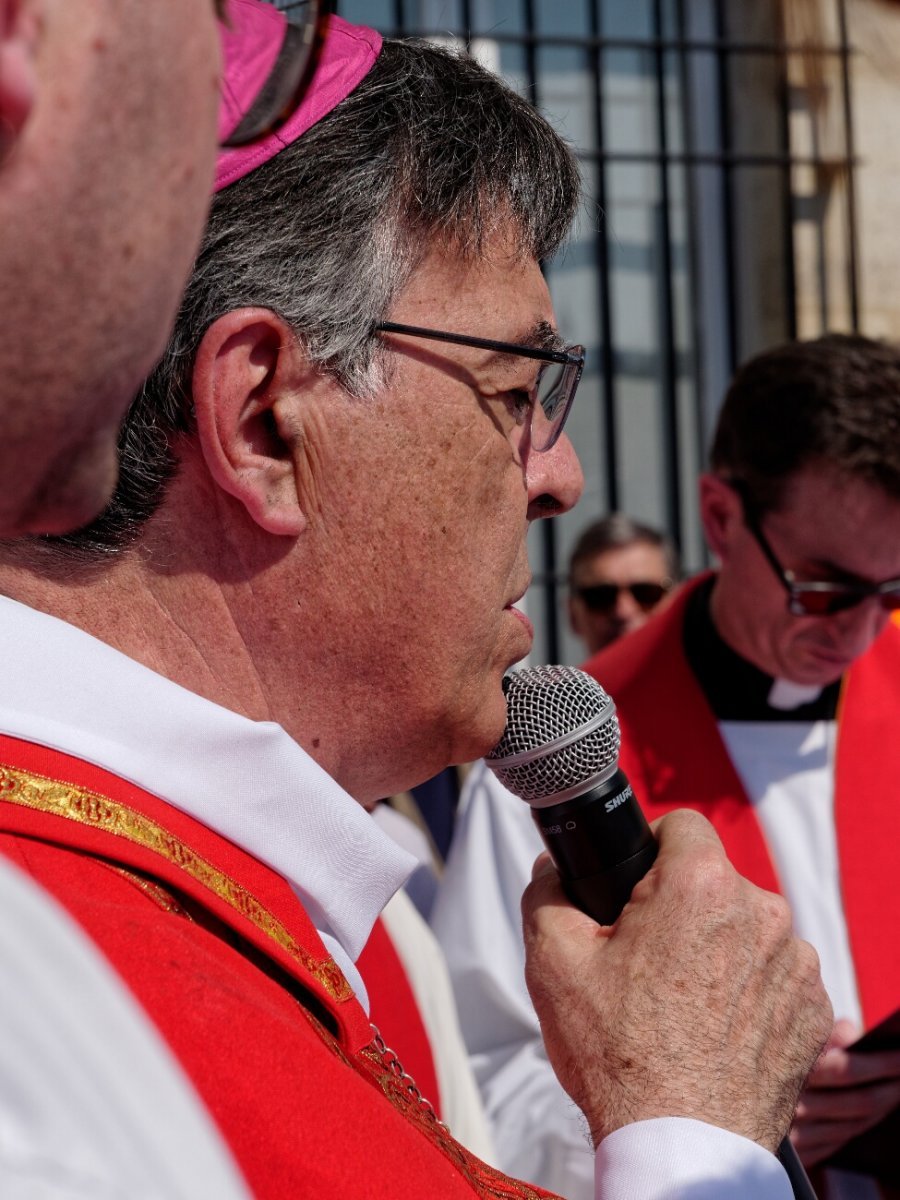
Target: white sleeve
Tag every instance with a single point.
(675, 1158)
(92, 1101)
(538, 1132)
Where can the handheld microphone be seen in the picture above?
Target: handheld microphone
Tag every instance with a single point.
(560, 754)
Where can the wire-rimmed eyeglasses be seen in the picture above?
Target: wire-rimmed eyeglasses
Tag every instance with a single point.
(818, 597)
(552, 393)
(307, 23)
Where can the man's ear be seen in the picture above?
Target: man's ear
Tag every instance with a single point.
(249, 373)
(18, 77)
(721, 512)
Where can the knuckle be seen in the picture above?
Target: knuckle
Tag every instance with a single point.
(777, 912)
(710, 872)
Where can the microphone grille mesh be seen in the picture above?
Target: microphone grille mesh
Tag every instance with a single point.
(545, 704)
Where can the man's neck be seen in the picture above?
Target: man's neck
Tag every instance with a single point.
(177, 625)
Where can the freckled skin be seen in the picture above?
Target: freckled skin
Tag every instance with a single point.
(107, 185)
(419, 552)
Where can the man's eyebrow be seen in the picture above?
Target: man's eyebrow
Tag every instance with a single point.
(541, 336)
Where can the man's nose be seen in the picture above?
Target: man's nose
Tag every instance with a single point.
(627, 608)
(554, 480)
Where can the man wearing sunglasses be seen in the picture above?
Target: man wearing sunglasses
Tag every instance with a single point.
(619, 571)
(768, 694)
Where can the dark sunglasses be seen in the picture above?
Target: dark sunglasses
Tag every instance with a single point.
(814, 597)
(602, 597)
(824, 598)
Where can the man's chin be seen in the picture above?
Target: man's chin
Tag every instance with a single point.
(67, 499)
(819, 673)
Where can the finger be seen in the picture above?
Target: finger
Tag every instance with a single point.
(819, 1142)
(684, 830)
(545, 906)
(543, 865)
(844, 1034)
(860, 1106)
(839, 1069)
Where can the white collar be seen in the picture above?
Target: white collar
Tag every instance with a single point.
(247, 780)
(785, 694)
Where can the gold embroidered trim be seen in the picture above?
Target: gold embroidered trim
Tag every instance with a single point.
(90, 808)
(157, 893)
(485, 1181)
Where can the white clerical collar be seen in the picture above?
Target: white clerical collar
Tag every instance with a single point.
(786, 695)
(247, 780)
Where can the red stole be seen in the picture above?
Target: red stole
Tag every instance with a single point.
(222, 956)
(675, 758)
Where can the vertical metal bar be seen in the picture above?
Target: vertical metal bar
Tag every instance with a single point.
(608, 453)
(787, 195)
(467, 24)
(726, 147)
(849, 150)
(546, 577)
(668, 355)
(692, 233)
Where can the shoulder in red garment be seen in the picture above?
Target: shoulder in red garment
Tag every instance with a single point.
(671, 748)
(226, 962)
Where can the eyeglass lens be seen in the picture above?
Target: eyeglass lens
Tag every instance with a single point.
(824, 602)
(555, 392)
(602, 597)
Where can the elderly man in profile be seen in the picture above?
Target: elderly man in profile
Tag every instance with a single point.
(303, 598)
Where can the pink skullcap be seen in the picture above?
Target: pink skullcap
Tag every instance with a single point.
(251, 40)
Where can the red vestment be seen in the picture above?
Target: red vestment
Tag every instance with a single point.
(224, 959)
(675, 758)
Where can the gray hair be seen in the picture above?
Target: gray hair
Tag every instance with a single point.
(429, 149)
(614, 532)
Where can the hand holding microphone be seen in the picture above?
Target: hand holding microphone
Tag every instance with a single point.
(697, 1002)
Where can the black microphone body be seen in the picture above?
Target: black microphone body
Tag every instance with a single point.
(601, 844)
(560, 754)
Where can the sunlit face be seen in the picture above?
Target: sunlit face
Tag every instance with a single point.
(424, 497)
(618, 566)
(828, 528)
(102, 199)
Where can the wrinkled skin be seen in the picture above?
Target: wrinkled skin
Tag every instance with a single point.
(699, 1002)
